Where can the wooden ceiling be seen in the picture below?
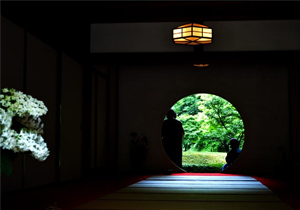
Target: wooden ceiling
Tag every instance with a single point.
(65, 25)
(149, 11)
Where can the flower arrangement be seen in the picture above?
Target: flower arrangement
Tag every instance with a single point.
(139, 149)
(20, 123)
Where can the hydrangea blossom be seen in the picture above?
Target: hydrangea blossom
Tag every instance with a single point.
(26, 112)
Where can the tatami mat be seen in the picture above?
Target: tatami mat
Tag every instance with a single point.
(198, 191)
(190, 193)
(187, 197)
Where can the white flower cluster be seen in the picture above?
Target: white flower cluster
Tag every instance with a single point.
(27, 111)
(22, 104)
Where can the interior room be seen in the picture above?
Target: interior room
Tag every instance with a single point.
(107, 69)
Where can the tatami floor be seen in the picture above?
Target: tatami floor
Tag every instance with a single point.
(169, 192)
(185, 191)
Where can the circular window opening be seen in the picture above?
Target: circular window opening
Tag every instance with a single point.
(213, 134)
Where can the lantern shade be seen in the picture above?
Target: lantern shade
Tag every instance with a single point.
(201, 65)
(192, 34)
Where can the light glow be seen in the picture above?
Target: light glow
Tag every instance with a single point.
(201, 65)
(192, 34)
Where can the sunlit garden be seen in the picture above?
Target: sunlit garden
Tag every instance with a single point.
(209, 122)
(208, 162)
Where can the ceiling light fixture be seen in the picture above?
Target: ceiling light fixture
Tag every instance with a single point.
(192, 34)
(201, 65)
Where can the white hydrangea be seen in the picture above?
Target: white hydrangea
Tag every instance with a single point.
(21, 104)
(27, 110)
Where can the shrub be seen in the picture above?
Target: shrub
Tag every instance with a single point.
(193, 168)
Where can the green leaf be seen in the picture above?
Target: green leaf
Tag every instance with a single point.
(6, 167)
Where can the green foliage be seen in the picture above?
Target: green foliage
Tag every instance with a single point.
(209, 122)
(205, 158)
(6, 167)
(203, 162)
(201, 168)
(187, 105)
(191, 129)
(7, 156)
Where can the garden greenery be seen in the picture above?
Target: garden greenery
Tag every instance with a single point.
(20, 123)
(209, 122)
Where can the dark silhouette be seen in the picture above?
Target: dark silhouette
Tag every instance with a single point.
(233, 153)
(172, 133)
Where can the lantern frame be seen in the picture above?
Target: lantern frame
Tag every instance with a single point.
(192, 34)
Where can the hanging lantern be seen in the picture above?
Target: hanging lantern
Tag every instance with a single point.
(201, 65)
(192, 34)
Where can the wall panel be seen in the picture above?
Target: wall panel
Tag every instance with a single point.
(134, 37)
(101, 123)
(255, 35)
(113, 119)
(262, 35)
(12, 55)
(93, 122)
(71, 119)
(12, 71)
(41, 84)
(98, 120)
